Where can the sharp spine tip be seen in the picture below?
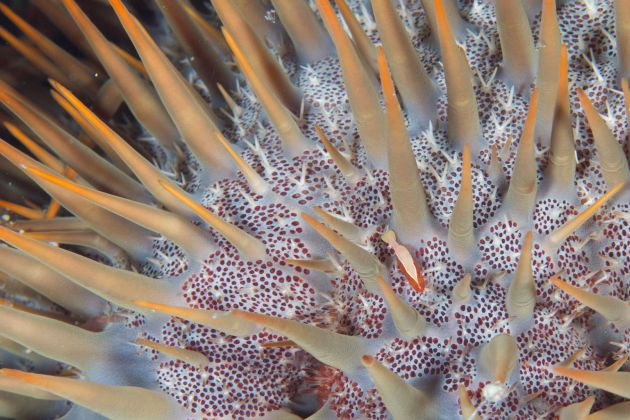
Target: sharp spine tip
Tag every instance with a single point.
(578, 410)
(463, 116)
(408, 321)
(362, 94)
(547, 73)
(517, 43)
(402, 400)
(500, 356)
(362, 42)
(364, 263)
(613, 309)
(189, 112)
(348, 170)
(309, 38)
(115, 402)
(337, 350)
(521, 296)
(192, 239)
(521, 195)
(561, 167)
(465, 404)
(115, 285)
(560, 234)
(259, 58)
(461, 236)
(410, 214)
(249, 246)
(281, 117)
(347, 229)
(613, 161)
(614, 382)
(219, 320)
(419, 93)
(462, 292)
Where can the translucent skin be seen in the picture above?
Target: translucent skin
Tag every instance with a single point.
(257, 375)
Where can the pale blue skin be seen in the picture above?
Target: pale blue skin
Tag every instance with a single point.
(140, 370)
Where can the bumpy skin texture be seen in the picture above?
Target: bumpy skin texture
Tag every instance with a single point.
(248, 377)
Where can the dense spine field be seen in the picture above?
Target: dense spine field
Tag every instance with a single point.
(287, 209)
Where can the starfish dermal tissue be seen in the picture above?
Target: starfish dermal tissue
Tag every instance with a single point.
(315, 209)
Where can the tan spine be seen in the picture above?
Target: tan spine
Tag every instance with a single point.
(463, 117)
